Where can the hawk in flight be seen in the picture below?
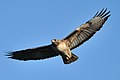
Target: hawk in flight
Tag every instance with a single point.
(63, 47)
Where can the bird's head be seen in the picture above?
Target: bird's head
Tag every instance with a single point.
(55, 42)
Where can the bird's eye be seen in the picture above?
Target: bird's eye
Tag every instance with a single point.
(54, 39)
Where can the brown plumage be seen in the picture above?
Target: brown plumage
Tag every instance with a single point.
(64, 47)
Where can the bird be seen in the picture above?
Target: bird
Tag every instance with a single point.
(64, 46)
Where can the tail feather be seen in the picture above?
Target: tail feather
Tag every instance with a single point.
(72, 59)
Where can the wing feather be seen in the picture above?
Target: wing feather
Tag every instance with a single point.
(87, 30)
(34, 53)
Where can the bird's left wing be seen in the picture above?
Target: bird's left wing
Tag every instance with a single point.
(87, 30)
(34, 53)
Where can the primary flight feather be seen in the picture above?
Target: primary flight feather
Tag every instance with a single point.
(63, 47)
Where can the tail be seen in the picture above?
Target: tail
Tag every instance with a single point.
(72, 59)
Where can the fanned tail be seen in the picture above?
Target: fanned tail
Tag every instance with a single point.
(72, 59)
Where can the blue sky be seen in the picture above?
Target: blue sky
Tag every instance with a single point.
(32, 23)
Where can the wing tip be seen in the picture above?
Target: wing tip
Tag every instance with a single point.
(102, 13)
(9, 54)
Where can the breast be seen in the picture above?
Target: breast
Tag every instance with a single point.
(62, 46)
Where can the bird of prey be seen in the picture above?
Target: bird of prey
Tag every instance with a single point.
(63, 47)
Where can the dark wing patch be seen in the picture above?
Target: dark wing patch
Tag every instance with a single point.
(87, 30)
(34, 53)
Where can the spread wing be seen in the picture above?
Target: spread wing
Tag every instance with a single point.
(87, 30)
(34, 53)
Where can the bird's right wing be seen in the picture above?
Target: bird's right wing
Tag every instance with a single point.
(34, 53)
(87, 30)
